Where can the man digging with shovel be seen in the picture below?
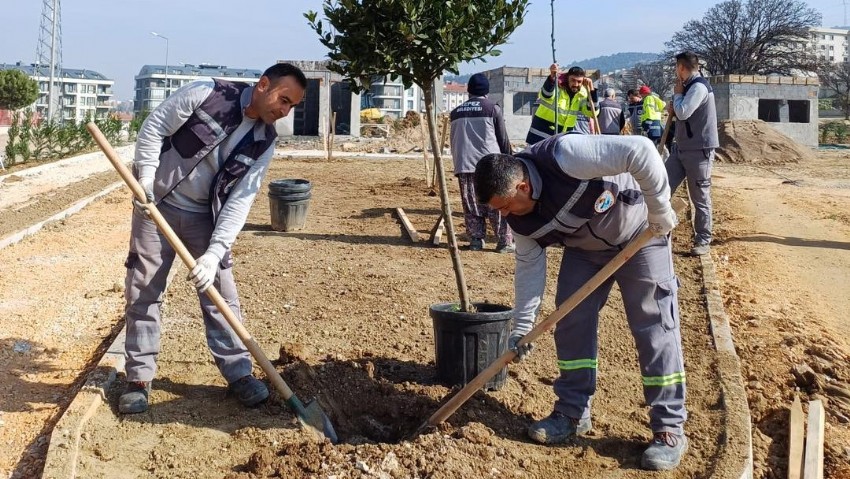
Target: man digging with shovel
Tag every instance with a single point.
(592, 195)
(200, 157)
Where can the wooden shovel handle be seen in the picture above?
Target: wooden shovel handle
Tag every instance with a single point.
(590, 286)
(666, 133)
(189, 261)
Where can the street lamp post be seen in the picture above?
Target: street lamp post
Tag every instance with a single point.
(166, 60)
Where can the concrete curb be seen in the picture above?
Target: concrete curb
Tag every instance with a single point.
(64, 449)
(734, 395)
(128, 150)
(75, 208)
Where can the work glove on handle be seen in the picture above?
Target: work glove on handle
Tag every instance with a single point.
(662, 223)
(147, 185)
(205, 270)
(518, 332)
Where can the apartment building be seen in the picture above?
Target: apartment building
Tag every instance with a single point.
(81, 93)
(153, 84)
(453, 95)
(390, 96)
(830, 44)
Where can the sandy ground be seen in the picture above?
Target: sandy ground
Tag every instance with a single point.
(348, 296)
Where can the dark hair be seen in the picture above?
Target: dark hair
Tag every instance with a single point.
(688, 59)
(496, 174)
(280, 70)
(576, 72)
(632, 92)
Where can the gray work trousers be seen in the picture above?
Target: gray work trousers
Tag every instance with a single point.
(695, 165)
(648, 286)
(148, 263)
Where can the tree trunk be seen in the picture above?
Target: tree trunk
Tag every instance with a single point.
(444, 198)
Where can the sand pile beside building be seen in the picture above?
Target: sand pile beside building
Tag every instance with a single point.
(754, 141)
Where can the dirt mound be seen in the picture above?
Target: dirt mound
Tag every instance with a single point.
(754, 141)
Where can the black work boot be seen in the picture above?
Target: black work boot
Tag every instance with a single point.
(249, 390)
(664, 452)
(134, 399)
(558, 428)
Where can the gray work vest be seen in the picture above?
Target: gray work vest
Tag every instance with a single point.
(594, 215)
(699, 132)
(210, 124)
(609, 116)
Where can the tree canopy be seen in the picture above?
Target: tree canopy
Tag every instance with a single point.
(755, 37)
(415, 40)
(17, 90)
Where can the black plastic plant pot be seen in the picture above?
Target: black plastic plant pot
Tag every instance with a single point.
(466, 343)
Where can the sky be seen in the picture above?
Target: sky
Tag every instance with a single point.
(114, 37)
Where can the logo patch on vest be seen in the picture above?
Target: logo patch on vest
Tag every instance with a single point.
(605, 201)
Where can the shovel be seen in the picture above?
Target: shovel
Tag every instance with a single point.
(574, 300)
(310, 415)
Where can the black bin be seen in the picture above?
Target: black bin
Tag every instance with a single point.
(289, 200)
(466, 343)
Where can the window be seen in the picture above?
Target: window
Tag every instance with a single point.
(798, 111)
(409, 104)
(769, 110)
(525, 103)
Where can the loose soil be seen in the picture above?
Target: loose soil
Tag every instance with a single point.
(754, 141)
(348, 298)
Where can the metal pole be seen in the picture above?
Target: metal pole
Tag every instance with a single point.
(166, 61)
(51, 97)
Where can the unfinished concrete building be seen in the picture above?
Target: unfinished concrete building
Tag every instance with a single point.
(326, 93)
(788, 104)
(515, 89)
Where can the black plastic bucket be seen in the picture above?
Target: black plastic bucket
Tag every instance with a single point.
(288, 201)
(466, 343)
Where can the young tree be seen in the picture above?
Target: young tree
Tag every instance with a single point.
(658, 75)
(17, 90)
(756, 37)
(836, 77)
(416, 40)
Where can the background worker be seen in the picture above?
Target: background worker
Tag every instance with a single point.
(612, 119)
(478, 128)
(692, 155)
(201, 156)
(574, 90)
(592, 195)
(650, 119)
(635, 108)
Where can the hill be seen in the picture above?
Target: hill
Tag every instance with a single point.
(609, 63)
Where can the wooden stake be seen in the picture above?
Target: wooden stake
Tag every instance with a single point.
(428, 175)
(437, 231)
(408, 226)
(331, 136)
(796, 430)
(442, 144)
(813, 467)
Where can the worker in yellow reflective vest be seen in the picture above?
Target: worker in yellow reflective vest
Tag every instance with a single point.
(650, 119)
(574, 88)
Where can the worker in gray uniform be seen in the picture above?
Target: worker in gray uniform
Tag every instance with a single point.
(692, 155)
(201, 156)
(592, 195)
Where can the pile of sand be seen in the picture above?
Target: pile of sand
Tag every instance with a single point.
(754, 141)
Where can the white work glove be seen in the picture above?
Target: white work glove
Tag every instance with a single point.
(204, 272)
(521, 351)
(147, 185)
(662, 223)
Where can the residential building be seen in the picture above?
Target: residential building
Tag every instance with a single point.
(81, 93)
(151, 88)
(453, 95)
(389, 95)
(830, 44)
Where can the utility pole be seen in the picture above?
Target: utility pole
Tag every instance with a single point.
(49, 52)
(166, 60)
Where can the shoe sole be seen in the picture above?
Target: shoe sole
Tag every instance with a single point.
(132, 408)
(256, 399)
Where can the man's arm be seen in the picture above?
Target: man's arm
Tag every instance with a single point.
(500, 130)
(235, 210)
(587, 157)
(164, 121)
(548, 88)
(686, 105)
(529, 282)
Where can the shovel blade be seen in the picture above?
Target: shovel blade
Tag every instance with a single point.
(316, 419)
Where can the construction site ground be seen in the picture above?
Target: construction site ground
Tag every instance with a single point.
(347, 298)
